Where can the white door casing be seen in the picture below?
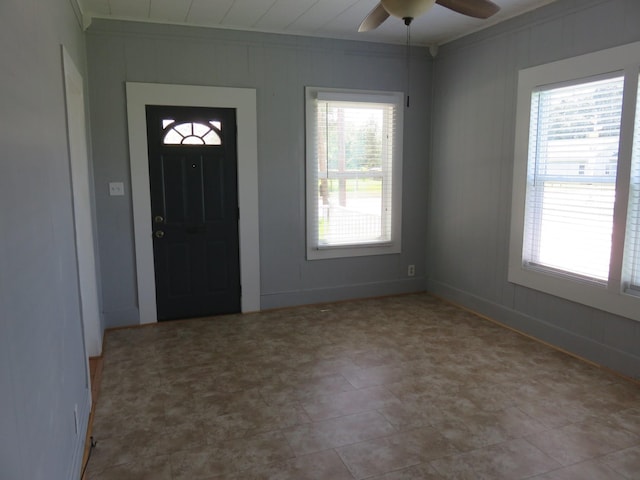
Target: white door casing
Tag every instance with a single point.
(244, 101)
(81, 194)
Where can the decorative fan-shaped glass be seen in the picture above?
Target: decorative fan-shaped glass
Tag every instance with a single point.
(191, 133)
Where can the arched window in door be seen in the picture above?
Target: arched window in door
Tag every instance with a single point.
(191, 133)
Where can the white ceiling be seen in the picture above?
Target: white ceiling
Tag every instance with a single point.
(319, 18)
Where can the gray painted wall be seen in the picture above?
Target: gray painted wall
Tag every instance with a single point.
(42, 363)
(279, 67)
(472, 165)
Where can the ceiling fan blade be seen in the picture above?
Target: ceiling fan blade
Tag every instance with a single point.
(374, 19)
(471, 8)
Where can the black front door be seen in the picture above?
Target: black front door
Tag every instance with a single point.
(194, 210)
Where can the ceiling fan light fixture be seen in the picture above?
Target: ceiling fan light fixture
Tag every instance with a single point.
(407, 8)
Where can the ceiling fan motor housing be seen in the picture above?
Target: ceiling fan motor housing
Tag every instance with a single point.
(407, 9)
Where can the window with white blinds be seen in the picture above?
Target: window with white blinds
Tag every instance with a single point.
(353, 172)
(632, 247)
(573, 158)
(575, 227)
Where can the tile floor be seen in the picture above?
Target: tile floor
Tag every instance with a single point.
(400, 388)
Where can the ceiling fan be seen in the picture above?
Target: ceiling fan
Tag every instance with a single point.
(407, 10)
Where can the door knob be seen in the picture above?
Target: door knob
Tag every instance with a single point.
(158, 234)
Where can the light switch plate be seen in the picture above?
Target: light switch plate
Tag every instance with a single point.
(116, 189)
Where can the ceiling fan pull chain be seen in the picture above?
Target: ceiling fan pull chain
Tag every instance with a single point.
(408, 60)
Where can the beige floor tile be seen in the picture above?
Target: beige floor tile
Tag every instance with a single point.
(469, 436)
(413, 413)
(628, 419)
(417, 472)
(247, 422)
(619, 395)
(480, 429)
(582, 441)
(127, 448)
(337, 432)
(589, 470)
(104, 425)
(552, 411)
(514, 421)
(145, 468)
(345, 403)
(315, 365)
(316, 466)
(432, 384)
(187, 435)
(297, 389)
(512, 460)
(377, 358)
(186, 405)
(376, 376)
(625, 462)
(228, 457)
(469, 401)
(387, 454)
(135, 402)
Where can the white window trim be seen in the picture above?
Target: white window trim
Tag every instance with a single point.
(610, 298)
(318, 252)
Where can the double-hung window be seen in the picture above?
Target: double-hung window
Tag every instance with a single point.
(576, 196)
(354, 172)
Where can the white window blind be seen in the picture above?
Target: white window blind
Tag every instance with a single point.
(354, 172)
(354, 164)
(632, 248)
(572, 166)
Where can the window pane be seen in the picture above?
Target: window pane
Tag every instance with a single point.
(184, 129)
(573, 156)
(192, 140)
(173, 138)
(632, 247)
(350, 211)
(200, 129)
(212, 138)
(574, 228)
(354, 172)
(354, 138)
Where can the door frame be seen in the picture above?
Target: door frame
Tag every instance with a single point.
(243, 100)
(83, 218)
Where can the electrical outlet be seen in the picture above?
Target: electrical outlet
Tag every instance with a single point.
(411, 270)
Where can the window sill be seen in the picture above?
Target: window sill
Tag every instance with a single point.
(321, 252)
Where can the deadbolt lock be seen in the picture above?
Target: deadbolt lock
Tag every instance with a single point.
(158, 219)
